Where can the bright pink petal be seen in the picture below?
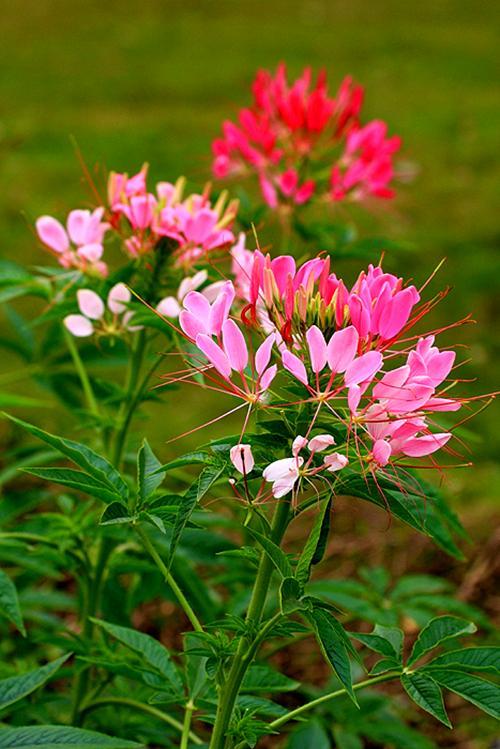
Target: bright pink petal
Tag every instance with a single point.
(235, 345)
(342, 348)
(381, 452)
(198, 305)
(363, 368)
(214, 354)
(191, 325)
(294, 365)
(77, 225)
(317, 348)
(267, 377)
(418, 447)
(263, 354)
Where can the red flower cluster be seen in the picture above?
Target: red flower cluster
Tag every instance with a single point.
(301, 142)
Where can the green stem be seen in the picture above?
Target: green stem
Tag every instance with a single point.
(181, 598)
(82, 373)
(129, 403)
(186, 728)
(148, 709)
(245, 652)
(331, 696)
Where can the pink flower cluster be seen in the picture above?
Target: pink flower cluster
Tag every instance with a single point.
(78, 245)
(341, 343)
(192, 223)
(293, 133)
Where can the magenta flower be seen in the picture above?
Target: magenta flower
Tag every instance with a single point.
(79, 245)
(300, 129)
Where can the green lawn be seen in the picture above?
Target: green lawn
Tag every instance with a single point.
(151, 81)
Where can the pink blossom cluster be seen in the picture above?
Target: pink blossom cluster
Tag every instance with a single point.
(294, 133)
(191, 223)
(78, 245)
(346, 346)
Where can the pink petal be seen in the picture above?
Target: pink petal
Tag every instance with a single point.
(320, 442)
(381, 452)
(235, 345)
(298, 444)
(79, 326)
(282, 267)
(342, 348)
(335, 462)
(91, 252)
(214, 354)
(263, 354)
(242, 458)
(267, 377)
(418, 447)
(295, 366)
(77, 224)
(198, 305)
(353, 398)
(363, 368)
(118, 297)
(391, 383)
(168, 307)
(191, 325)
(220, 308)
(90, 303)
(52, 233)
(396, 313)
(317, 348)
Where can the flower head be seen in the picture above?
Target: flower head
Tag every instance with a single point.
(99, 318)
(79, 244)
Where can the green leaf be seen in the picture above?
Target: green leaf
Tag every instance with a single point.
(153, 652)
(310, 735)
(189, 459)
(194, 494)
(426, 694)
(275, 554)
(115, 514)
(77, 480)
(344, 739)
(266, 679)
(289, 595)
(148, 478)
(387, 641)
(9, 602)
(384, 665)
(483, 694)
(60, 737)
(335, 645)
(469, 659)
(17, 687)
(414, 585)
(315, 545)
(437, 631)
(92, 463)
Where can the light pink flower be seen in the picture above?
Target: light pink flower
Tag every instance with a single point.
(283, 474)
(79, 245)
(335, 462)
(96, 317)
(242, 458)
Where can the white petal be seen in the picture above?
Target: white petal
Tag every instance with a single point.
(118, 298)
(79, 326)
(90, 303)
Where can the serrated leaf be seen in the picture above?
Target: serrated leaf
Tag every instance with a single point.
(76, 480)
(469, 659)
(273, 551)
(315, 545)
(266, 679)
(482, 693)
(153, 652)
(189, 459)
(92, 463)
(437, 631)
(148, 477)
(426, 694)
(335, 645)
(260, 706)
(16, 687)
(194, 494)
(9, 602)
(115, 514)
(60, 737)
(384, 665)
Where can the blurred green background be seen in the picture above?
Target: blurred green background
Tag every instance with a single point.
(152, 81)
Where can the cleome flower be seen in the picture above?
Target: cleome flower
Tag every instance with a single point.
(294, 133)
(110, 319)
(191, 223)
(79, 245)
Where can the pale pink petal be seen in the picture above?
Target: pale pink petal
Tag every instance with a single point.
(91, 252)
(169, 307)
(118, 297)
(282, 469)
(79, 326)
(90, 303)
(320, 442)
(52, 234)
(235, 345)
(242, 458)
(191, 325)
(363, 368)
(127, 317)
(214, 354)
(335, 462)
(77, 224)
(263, 354)
(342, 348)
(298, 444)
(317, 348)
(294, 365)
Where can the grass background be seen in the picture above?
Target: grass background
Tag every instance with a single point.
(152, 81)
